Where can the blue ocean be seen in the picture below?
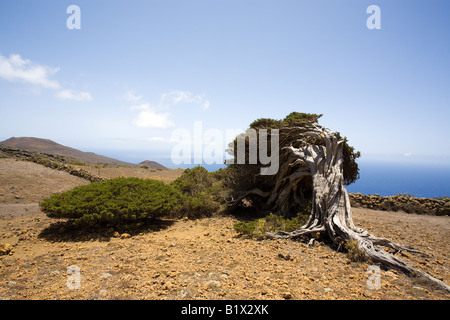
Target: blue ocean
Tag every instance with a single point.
(390, 179)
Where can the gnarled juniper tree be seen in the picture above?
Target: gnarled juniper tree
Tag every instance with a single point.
(315, 164)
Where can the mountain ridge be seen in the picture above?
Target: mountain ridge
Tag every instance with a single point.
(152, 164)
(51, 147)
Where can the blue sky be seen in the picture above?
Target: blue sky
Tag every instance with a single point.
(137, 71)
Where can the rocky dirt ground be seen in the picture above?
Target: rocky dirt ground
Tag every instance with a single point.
(195, 259)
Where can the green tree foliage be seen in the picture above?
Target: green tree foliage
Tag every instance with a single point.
(245, 177)
(291, 120)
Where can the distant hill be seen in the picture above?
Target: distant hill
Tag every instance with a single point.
(152, 164)
(51, 147)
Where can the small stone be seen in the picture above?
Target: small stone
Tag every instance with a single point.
(5, 248)
(105, 275)
(125, 236)
(284, 256)
(287, 295)
(116, 234)
(213, 284)
(168, 285)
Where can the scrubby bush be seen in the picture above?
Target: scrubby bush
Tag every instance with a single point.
(202, 191)
(258, 228)
(122, 201)
(194, 181)
(114, 201)
(353, 252)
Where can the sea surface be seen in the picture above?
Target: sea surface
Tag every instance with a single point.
(419, 180)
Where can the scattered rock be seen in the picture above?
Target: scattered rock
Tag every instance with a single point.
(5, 248)
(105, 275)
(213, 284)
(287, 295)
(284, 256)
(125, 236)
(168, 285)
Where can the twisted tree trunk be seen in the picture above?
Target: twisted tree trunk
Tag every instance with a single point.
(320, 156)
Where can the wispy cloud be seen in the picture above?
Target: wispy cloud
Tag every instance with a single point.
(150, 117)
(16, 69)
(175, 97)
(130, 96)
(73, 95)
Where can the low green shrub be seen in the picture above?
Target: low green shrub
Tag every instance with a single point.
(353, 252)
(123, 201)
(194, 181)
(257, 229)
(113, 201)
(78, 163)
(203, 193)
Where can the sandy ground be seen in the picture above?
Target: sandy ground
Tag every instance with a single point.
(195, 259)
(27, 182)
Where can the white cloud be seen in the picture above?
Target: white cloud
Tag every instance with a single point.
(151, 119)
(15, 68)
(206, 105)
(72, 95)
(132, 97)
(176, 96)
(147, 118)
(407, 154)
